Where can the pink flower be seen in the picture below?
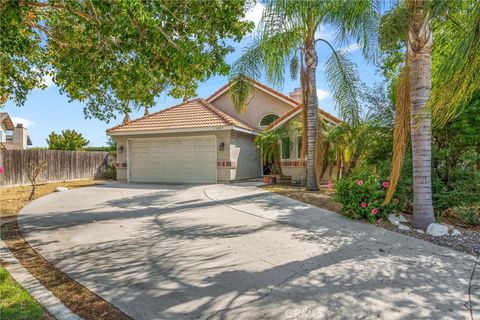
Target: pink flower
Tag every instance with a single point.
(360, 182)
(2, 170)
(364, 204)
(330, 184)
(385, 184)
(374, 211)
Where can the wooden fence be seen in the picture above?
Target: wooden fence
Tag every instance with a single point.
(61, 165)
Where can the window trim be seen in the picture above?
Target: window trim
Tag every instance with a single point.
(266, 115)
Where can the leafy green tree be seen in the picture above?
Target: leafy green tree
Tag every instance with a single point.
(456, 64)
(116, 54)
(288, 36)
(68, 140)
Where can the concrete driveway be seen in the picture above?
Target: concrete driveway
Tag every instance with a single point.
(238, 252)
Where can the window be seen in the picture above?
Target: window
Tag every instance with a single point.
(286, 148)
(268, 119)
(299, 147)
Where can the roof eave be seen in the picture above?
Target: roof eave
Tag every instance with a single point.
(166, 131)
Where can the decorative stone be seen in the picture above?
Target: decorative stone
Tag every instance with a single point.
(437, 229)
(61, 189)
(394, 218)
(456, 233)
(403, 227)
(420, 231)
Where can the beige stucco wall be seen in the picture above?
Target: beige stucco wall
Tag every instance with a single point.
(239, 147)
(259, 106)
(246, 156)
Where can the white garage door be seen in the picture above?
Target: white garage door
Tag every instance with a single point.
(183, 160)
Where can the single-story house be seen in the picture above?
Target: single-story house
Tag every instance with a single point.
(207, 141)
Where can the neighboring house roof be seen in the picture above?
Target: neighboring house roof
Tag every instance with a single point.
(259, 86)
(193, 114)
(5, 119)
(297, 110)
(10, 146)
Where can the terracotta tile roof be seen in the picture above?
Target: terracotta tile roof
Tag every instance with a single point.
(294, 111)
(196, 113)
(261, 85)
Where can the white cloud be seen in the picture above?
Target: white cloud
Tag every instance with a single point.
(324, 32)
(255, 14)
(26, 123)
(352, 47)
(48, 81)
(322, 94)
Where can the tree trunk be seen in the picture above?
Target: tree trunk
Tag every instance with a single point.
(126, 111)
(312, 106)
(32, 193)
(419, 49)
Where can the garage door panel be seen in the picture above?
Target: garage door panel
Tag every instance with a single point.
(188, 160)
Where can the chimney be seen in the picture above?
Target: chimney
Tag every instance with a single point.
(296, 94)
(20, 136)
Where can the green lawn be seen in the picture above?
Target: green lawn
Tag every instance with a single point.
(15, 302)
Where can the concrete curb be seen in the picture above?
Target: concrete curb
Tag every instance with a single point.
(46, 298)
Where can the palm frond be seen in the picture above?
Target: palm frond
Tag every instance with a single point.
(401, 131)
(455, 77)
(294, 67)
(357, 20)
(344, 82)
(248, 66)
(393, 27)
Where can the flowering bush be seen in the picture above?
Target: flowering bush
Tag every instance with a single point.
(363, 198)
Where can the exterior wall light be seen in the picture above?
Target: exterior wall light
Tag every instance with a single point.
(120, 149)
(221, 147)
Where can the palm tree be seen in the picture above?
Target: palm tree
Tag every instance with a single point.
(288, 35)
(412, 22)
(268, 143)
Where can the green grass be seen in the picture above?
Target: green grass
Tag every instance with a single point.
(15, 302)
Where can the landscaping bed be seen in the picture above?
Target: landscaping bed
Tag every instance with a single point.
(74, 296)
(468, 241)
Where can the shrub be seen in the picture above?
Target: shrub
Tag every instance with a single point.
(108, 170)
(363, 198)
(462, 192)
(469, 214)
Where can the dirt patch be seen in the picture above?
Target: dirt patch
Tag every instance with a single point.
(323, 198)
(76, 297)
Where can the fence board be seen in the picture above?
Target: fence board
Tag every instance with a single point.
(61, 165)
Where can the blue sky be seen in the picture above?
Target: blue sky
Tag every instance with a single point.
(47, 110)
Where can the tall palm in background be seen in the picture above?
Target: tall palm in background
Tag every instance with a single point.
(287, 36)
(455, 82)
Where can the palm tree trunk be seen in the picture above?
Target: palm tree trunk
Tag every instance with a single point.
(312, 106)
(419, 49)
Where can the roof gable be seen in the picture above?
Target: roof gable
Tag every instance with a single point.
(295, 111)
(259, 86)
(192, 114)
